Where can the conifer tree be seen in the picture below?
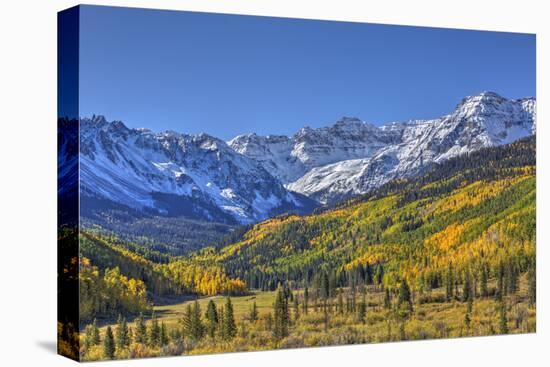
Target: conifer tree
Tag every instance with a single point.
(88, 337)
(468, 315)
(296, 309)
(532, 282)
(326, 317)
(362, 310)
(325, 292)
(212, 318)
(130, 335)
(512, 278)
(501, 286)
(254, 312)
(154, 332)
(229, 328)
(187, 322)
(95, 339)
(387, 299)
(379, 274)
(163, 335)
(467, 290)
(368, 274)
(141, 330)
(449, 283)
(197, 327)
(109, 347)
(404, 297)
(484, 290)
(280, 316)
(340, 304)
(306, 300)
(121, 333)
(503, 318)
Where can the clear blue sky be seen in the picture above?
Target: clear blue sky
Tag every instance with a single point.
(227, 75)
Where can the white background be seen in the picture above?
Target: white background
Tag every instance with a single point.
(28, 181)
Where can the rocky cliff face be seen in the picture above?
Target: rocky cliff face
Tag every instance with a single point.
(352, 157)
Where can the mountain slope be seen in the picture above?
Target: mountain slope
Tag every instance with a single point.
(470, 211)
(173, 174)
(353, 157)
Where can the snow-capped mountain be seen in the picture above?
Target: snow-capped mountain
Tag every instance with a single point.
(253, 177)
(290, 158)
(353, 157)
(175, 174)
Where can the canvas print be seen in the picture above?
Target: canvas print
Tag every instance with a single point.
(233, 183)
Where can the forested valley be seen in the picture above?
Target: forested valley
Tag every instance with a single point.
(447, 254)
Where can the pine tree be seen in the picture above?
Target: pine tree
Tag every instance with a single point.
(88, 337)
(387, 299)
(449, 283)
(484, 290)
(163, 335)
(306, 300)
(368, 274)
(154, 332)
(503, 318)
(404, 297)
(212, 318)
(296, 309)
(141, 330)
(468, 315)
(109, 347)
(362, 310)
(281, 316)
(229, 328)
(532, 280)
(121, 334)
(501, 286)
(95, 339)
(340, 303)
(512, 278)
(254, 312)
(197, 328)
(187, 322)
(325, 292)
(467, 290)
(326, 317)
(379, 274)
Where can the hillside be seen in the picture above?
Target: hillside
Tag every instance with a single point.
(470, 212)
(448, 254)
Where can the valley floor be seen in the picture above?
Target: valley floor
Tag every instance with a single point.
(337, 324)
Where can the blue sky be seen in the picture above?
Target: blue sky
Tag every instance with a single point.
(227, 74)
